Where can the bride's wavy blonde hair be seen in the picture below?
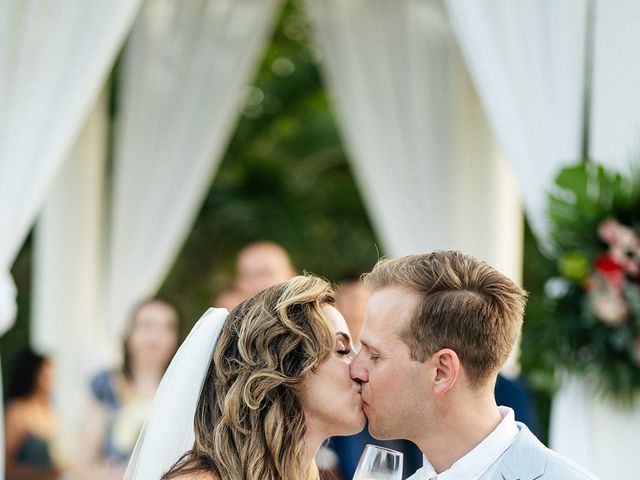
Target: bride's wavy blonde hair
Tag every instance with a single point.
(249, 423)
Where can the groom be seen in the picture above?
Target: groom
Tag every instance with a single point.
(438, 328)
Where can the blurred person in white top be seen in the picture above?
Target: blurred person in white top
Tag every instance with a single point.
(121, 397)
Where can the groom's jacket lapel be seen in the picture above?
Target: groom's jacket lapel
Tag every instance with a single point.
(525, 459)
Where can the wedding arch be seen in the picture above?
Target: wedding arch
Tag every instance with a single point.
(443, 104)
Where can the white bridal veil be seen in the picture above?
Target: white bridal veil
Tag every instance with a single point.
(168, 432)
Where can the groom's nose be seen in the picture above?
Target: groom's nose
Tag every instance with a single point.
(357, 369)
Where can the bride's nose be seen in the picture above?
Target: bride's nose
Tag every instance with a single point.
(357, 370)
(352, 356)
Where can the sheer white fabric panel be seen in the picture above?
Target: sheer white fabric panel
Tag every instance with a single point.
(422, 151)
(584, 426)
(54, 56)
(598, 434)
(616, 94)
(69, 244)
(8, 294)
(68, 263)
(527, 61)
(186, 67)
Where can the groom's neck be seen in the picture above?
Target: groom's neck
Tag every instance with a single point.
(461, 424)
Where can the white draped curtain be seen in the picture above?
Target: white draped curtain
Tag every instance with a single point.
(422, 151)
(615, 126)
(584, 426)
(67, 273)
(54, 56)
(526, 59)
(185, 69)
(528, 63)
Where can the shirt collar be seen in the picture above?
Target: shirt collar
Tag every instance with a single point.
(483, 455)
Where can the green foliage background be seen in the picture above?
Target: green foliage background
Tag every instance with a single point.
(568, 332)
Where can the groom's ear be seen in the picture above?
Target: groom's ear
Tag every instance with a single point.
(447, 368)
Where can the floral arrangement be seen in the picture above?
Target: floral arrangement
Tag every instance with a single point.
(593, 300)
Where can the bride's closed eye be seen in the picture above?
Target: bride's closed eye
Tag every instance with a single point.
(343, 344)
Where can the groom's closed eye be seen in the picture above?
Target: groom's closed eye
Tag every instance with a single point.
(373, 356)
(371, 353)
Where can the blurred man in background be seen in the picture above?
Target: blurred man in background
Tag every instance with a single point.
(259, 265)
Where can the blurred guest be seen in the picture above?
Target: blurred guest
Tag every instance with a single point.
(228, 299)
(258, 266)
(351, 301)
(121, 398)
(30, 422)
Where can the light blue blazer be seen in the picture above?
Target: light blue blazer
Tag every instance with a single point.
(528, 459)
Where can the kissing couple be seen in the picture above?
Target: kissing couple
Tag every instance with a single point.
(252, 394)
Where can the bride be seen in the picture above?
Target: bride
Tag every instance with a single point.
(252, 395)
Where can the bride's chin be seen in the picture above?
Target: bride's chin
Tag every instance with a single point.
(358, 423)
(351, 424)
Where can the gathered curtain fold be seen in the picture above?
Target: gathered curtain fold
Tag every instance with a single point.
(54, 58)
(527, 61)
(68, 262)
(185, 69)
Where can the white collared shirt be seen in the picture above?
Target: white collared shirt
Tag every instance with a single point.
(482, 457)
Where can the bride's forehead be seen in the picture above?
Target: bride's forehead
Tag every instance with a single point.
(335, 319)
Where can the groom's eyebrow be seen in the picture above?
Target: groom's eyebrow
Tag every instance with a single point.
(370, 346)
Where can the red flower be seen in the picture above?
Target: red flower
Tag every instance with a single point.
(611, 270)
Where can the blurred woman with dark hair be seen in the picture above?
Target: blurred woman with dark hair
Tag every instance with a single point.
(121, 398)
(30, 422)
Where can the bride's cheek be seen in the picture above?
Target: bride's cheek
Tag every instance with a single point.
(347, 375)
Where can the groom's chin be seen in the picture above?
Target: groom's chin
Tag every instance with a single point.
(375, 428)
(378, 433)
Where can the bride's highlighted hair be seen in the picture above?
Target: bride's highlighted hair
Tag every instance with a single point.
(249, 423)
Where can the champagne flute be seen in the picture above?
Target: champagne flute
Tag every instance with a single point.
(379, 463)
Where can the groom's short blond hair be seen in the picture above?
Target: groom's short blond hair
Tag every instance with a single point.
(466, 305)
